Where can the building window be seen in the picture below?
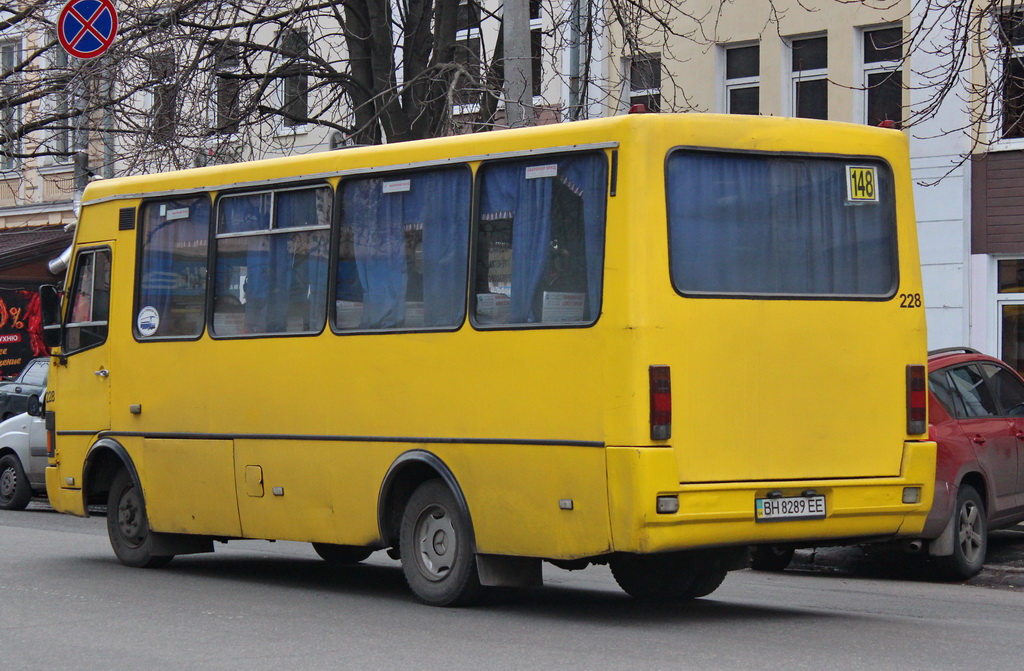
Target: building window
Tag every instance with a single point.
(467, 53)
(62, 140)
(226, 87)
(163, 72)
(1011, 34)
(1010, 304)
(295, 91)
(810, 77)
(9, 52)
(536, 46)
(883, 77)
(742, 79)
(645, 82)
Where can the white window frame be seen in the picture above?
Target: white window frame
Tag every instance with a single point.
(53, 102)
(994, 128)
(536, 24)
(16, 46)
(281, 129)
(462, 36)
(802, 76)
(628, 92)
(213, 108)
(729, 85)
(868, 69)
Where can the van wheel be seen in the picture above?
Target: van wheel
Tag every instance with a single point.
(770, 558)
(970, 540)
(15, 491)
(128, 526)
(436, 547)
(342, 554)
(664, 577)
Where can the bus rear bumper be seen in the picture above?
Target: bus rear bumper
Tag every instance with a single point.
(62, 498)
(723, 513)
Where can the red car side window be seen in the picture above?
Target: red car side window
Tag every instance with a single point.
(972, 387)
(1007, 389)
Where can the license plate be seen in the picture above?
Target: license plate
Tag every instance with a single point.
(790, 508)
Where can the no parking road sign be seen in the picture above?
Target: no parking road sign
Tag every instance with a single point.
(87, 28)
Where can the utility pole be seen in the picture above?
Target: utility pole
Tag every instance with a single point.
(518, 66)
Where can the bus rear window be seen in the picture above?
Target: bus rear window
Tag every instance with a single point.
(750, 224)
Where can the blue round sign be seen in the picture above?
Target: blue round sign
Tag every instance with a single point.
(87, 28)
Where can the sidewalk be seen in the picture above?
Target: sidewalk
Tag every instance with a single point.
(1004, 564)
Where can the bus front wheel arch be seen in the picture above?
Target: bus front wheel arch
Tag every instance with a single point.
(128, 524)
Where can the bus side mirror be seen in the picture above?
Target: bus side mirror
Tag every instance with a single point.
(49, 305)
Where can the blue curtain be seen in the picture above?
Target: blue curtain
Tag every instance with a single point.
(376, 220)
(382, 227)
(742, 224)
(506, 193)
(299, 260)
(445, 217)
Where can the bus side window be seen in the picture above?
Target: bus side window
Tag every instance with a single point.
(402, 251)
(540, 241)
(270, 273)
(171, 292)
(90, 301)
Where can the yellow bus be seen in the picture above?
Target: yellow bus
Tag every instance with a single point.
(649, 341)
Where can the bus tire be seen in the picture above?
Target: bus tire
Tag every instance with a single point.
(970, 537)
(770, 558)
(665, 577)
(15, 491)
(705, 582)
(342, 554)
(436, 546)
(128, 525)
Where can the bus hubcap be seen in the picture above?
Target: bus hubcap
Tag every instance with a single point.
(129, 518)
(436, 539)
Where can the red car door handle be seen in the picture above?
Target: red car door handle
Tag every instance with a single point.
(1020, 435)
(978, 440)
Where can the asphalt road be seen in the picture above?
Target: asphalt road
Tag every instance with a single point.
(65, 603)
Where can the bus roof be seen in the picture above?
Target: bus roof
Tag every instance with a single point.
(711, 130)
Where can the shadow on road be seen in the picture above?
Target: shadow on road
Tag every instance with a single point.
(1004, 563)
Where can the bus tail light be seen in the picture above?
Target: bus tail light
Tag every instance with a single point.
(917, 400)
(51, 435)
(661, 402)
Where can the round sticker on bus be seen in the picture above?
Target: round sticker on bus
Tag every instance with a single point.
(148, 321)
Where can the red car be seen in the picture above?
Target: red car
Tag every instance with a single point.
(976, 412)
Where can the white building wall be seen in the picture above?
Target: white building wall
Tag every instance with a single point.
(942, 195)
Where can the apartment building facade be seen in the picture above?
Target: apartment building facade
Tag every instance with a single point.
(825, 59)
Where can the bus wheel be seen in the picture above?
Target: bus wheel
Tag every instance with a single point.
(128, 526)
(664, 577)
(971, 537)
(770, 557)
(342, 554)
(437, 553)
(15, 492)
